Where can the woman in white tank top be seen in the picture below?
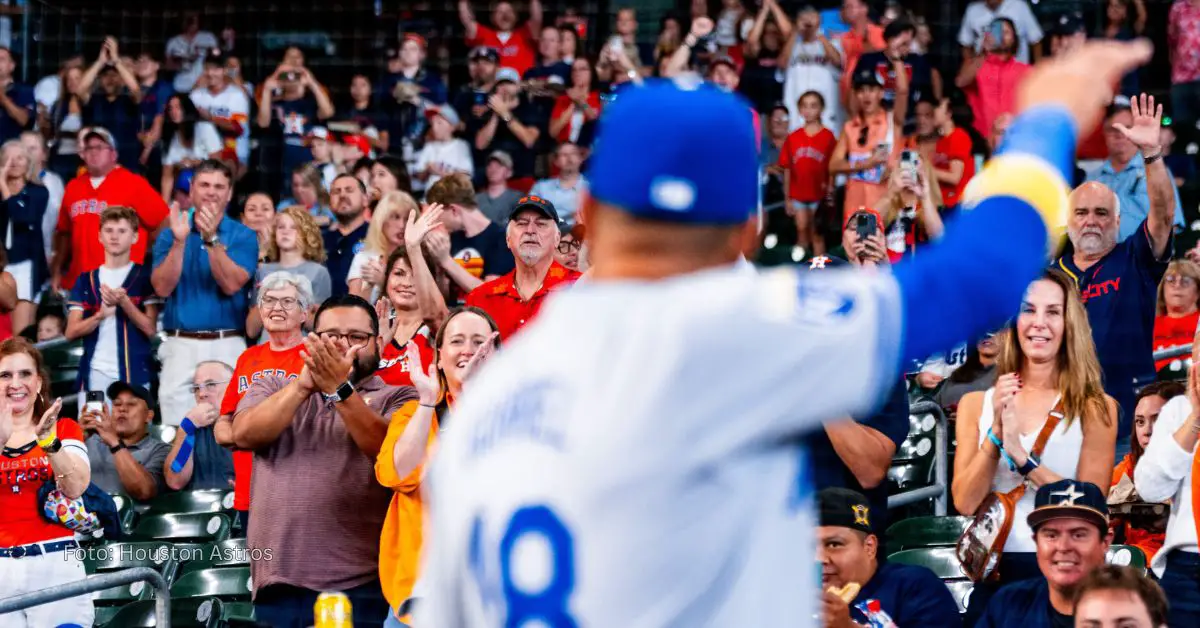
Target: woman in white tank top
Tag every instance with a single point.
(1046, 357)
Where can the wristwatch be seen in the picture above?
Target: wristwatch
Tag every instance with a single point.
(118, 447)
(54, 447)
(342, 393)
(1031, 464)
(213, 241)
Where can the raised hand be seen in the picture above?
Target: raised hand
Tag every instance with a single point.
(418, 227)
(208, 218)
(1082, 80)
(372, 271)
(100, 422)
(438, 243)
(477, 360)
(701, 26)
(497, 104)
(1146, 131)
(387, 322)
(429, 387)
(178, 222)
(1005, 393)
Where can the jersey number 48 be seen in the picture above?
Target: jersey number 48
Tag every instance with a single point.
(523, 592)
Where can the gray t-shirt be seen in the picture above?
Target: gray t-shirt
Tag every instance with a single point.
(497, 209)
(149, 452)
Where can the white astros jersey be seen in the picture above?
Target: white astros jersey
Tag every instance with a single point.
(630, 460)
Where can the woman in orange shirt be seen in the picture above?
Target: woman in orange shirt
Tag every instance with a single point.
(1150, 401)
(870, 140)
(463, 342)
(1178, 307)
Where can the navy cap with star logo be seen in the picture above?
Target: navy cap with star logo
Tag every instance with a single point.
(1070, 499)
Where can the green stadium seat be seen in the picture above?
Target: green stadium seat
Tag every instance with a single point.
(182, 528)
(66, 355)
(125, 511)
(227, 553)
(926, 532)
(181, 502)
(1128, 556)
(110, 557)
(188, 613)
(228, 584)
(942, 561)
(109, 601)
(961, 590)
(1176, 371)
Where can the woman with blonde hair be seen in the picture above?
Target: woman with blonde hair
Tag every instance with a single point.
(1178, 311)
(23, 201)
(1048, 370)
(296, 246)
(385, 235)
(308, 191)
(910, 207)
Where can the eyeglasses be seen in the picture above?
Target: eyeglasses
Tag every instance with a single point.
(566, 246)
(353, 337)
(1179, 280)
(209, 386)
(287, 304)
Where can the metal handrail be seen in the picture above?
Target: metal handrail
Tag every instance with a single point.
(92, 584)
(940, 458)
(1173, 352)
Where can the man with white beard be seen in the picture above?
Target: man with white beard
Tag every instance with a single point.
(1119, 280)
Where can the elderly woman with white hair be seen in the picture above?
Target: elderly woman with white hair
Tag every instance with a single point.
(23, 201)
(284, 301)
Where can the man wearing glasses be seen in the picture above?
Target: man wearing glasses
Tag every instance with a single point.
(77, 246)
(284, 302)
(315, 438)
(196, 460)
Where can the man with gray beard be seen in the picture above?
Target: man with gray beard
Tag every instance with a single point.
(1118, 281)
(513, 299)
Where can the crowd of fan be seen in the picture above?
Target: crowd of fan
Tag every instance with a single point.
(202, 226)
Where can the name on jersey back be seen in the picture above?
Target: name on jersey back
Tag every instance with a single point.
(526, 414)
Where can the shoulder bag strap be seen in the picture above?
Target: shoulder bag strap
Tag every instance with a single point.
(1056, 415)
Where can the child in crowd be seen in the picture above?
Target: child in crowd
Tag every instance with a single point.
(443, 153)
(804, 158)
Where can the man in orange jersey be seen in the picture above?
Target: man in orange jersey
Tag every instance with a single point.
(284, 299)
(532, 235)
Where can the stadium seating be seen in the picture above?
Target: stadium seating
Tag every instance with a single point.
(1127, 555)
(961, 590)
(191, 613)
(228, 553)
(942, 561)
(182, 528)
(920, 532)
(200, 501)
(228, 583)
(109, 601)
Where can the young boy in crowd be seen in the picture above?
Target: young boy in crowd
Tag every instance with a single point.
(114, 309)
(804, 158)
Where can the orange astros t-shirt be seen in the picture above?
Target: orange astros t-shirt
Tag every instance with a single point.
(255, 363)
(21, 475)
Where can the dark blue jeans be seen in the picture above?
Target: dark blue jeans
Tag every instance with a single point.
(285, 606)
(1181, 583)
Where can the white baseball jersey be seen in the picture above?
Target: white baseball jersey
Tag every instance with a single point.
(631, 460)
(230, 104)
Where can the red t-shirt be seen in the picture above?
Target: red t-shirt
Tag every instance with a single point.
(954, 147)
(80, 217)
(500, 299)
(517, 51)
(21, 477)
(561, 104)
(806, 158)
(255, 363)
(1171, 332)
(393, 361)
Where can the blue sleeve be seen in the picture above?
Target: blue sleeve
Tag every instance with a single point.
(892, 420)
(162, 246)
(79, 292)
(973, 279)
(244, 249)
(1143, 252)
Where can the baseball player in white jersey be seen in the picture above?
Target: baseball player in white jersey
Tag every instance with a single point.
(629, 460)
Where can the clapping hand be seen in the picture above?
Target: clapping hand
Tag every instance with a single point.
(496, 103)
(477, 360)
(438, 243)
(208, 218)
(372, 271)
(328, 365)
(429, 387)
(178, 221)
(46, 424)
(1146, 131)
(388, 322)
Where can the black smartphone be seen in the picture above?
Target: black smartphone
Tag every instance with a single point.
(865, 225)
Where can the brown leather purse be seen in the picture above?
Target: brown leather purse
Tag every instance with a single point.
(981, 544)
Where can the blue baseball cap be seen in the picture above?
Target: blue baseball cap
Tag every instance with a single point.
(677, 151)
(1069, 499)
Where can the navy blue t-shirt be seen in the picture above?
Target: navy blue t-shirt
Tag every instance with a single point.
(340, 251)
(122, 118)
(486, 252)
(1026, 604)
(828, 470)
(21, 96)
(1120, 293)
(909, 594)
(154, 102)
(561, 69)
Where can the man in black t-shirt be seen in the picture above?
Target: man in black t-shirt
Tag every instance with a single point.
(471, 249)
(512, 125)
(898, 38)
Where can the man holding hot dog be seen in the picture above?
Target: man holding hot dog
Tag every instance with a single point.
(846, 548)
